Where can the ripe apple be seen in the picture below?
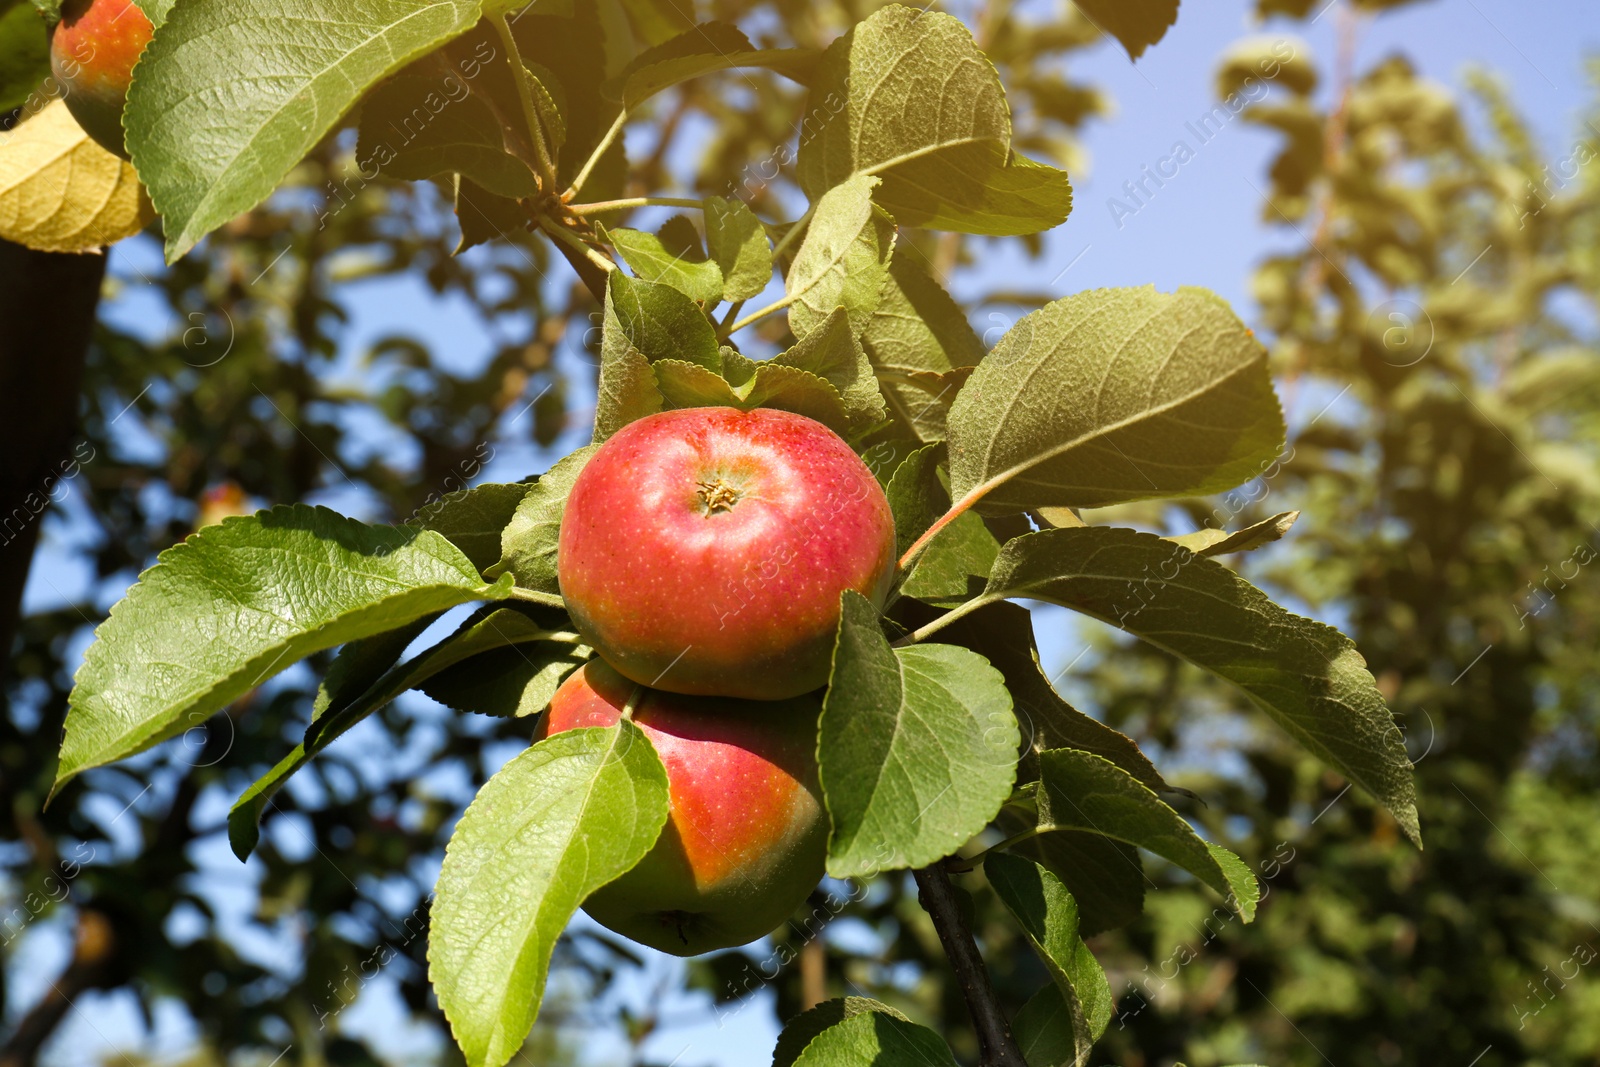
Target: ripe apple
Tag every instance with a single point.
(746, 837)
(704, 550)
(92, 52)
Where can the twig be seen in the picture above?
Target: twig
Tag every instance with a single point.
(996, 1046)
(602, 206)
(594, 157)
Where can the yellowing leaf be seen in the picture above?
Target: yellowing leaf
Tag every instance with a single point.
(62, 192)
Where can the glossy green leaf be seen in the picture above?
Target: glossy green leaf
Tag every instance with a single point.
(1115, 395)
(738, 243)
(800, 1030)
(1048, 915)
(843, 258)
(879, 1039)
(831, 352)
(1106, 877)
(1002, 633)
(358, 666)
(925, 111)
(953, 566)
(491, 628)
(528, 542)
(229, 97)
(561, 820)
(416, 127)
(747, 384)
(672, 257)
(472, 519)
(706, 49)
(329, 580)
(917, 748)
(1082, 791)
(1051, 1032)
(918, 329)
(1212, 542)
(1307, 676)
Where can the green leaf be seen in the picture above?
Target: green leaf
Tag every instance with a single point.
(1050, 1032)
(1212, 542)
(674, 257)
(843, 258)
(255, 595)
(1048, 915)
(1114, 395)
(645, 322)
(709, 47)
(808, 1024)
(879, 1039)
(229, 97)
(485, 217)
(1106, 877)
(356, 668)
(517, 682)
(1307, 676)
(24, 54)
(764, 384)
(917, 498)
(1138, 24)
(416, 127)
(567, 816)
(472, 519)
(1081, 791)
(831, 352)
(917, 748)
(916, 329)
(1002, 633)
(529, 540)
(924, 110)
(739, 245)
(952, 567)
(543, 86)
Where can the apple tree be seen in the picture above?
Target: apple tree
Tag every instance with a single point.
(937, 745)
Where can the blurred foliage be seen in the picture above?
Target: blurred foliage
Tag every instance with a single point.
(1438, 337)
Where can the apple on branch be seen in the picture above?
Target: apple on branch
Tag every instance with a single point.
(746, 837)
(92, 53)
(705, 550)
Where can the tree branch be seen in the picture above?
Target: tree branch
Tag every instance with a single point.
(996, 1046)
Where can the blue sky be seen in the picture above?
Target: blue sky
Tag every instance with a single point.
(1203, 227)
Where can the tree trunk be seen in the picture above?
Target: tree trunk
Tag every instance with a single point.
(47, 307)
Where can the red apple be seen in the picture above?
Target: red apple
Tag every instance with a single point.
(704, 551)
(92, 52)
(746, 838)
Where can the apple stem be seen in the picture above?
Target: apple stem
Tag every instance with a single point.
(530, 113)
(634, 699)
(996, 1045)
